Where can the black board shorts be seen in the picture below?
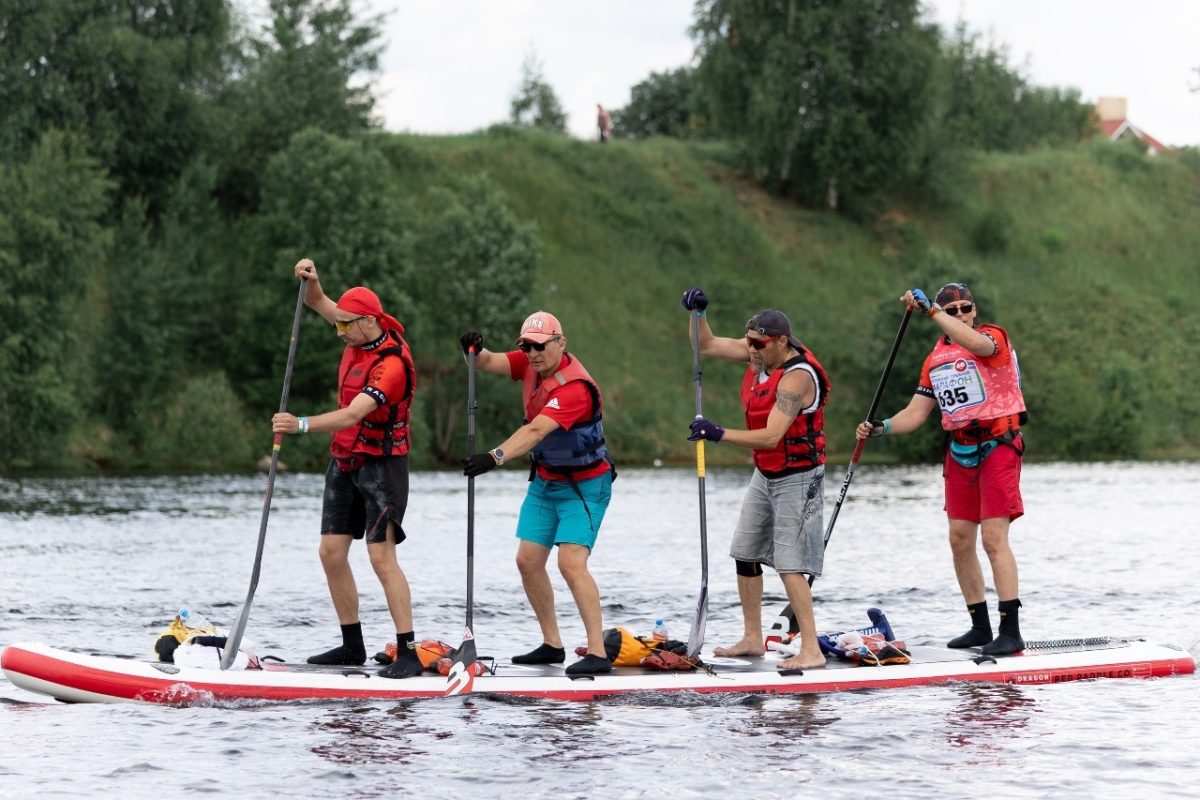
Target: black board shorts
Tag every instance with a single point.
(360, 502)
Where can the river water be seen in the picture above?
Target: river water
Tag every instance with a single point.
(102, 564)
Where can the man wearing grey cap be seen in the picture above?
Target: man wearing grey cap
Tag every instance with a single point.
(783, 393)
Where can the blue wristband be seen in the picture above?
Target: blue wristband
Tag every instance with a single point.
(303, 423)
(702, 312)
(887, 426)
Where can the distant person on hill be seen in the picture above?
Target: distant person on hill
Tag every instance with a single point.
(570, 479)
(972, 374)
(783, 393)
(603, 122)
(366, 483)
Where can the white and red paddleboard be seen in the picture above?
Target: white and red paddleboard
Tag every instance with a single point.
(84, 678)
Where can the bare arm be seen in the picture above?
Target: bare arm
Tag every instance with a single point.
(796, 392)
(907, 420)
(720, 346)
(958, 331)
(964, 334)
(495, 363)
(314, 296)
(329, 422)
(526, 437)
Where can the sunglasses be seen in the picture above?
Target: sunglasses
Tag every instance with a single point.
(758, 344)
(344, 324)
(954, 311)
(539, 347)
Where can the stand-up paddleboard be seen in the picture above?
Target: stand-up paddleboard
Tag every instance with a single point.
(84, 678)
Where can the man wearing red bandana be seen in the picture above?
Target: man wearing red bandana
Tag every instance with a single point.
(366, 483)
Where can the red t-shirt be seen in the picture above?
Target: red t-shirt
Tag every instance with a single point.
(566, 405)
(387, 381)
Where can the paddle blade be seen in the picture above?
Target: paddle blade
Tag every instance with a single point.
(696, 637)
(461, 679)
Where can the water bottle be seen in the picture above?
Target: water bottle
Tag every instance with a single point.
(193, 619)
(660, 631)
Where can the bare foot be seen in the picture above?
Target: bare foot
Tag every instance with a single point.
(802, 661)
(744, 647)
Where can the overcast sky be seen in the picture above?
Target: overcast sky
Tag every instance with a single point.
(451, 66)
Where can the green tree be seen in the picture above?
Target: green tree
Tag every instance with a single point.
(127, 75)
(332, 200)
(535, 105)
(50, 239)
(658, 106)
(983, 101)
(135, 354)
(476, 264)
(829, 99)
(307, 69)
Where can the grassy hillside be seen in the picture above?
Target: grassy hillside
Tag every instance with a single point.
(1087, 256)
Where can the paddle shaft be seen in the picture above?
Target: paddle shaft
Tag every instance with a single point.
(696, 637)
(461, 679)
(858, 448)
(239, 627)
(471, 489)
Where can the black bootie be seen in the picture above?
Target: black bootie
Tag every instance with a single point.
(981, 628)
(407, 663)
(1009, 640)
(351, 653)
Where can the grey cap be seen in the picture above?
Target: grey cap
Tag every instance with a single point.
(773, 322)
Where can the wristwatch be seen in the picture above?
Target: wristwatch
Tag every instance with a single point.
(498, 454)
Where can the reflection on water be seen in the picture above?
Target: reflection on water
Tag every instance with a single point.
(786, 720)
(988, 718)
(369, 735)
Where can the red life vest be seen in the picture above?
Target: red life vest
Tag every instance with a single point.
(802, 446)
(970, 391)
(383, 432)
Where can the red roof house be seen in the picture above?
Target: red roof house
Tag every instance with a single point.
(1116, 125)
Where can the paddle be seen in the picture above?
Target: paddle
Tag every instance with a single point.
(696, 637)
(234, 639)
(858, 448)
(462, 673)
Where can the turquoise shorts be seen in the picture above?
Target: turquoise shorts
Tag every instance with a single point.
(554, 514)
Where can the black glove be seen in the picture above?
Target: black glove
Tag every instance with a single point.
(695, 299)
(703, 429)
(478, 464)
(877, 429)
(471, 339)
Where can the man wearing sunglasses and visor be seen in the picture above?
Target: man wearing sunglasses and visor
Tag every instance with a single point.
(570, 479)
(366, 483)
(973, 377)
(783, 393)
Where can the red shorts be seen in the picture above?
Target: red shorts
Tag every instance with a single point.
(993, 489)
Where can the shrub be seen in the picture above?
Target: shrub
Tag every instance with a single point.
(202, 428)
(993, 231)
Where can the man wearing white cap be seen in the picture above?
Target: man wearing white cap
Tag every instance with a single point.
(570, 485)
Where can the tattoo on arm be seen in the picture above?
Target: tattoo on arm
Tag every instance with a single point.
(788, 402)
